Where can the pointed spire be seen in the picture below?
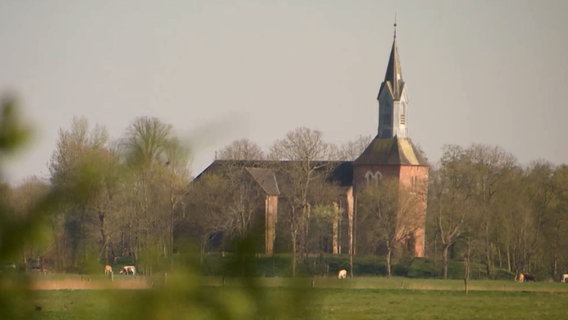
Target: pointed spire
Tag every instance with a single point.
(392, 97)
(393, 76)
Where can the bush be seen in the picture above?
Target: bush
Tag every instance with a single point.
(421, 268)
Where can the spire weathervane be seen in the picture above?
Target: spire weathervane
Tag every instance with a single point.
(394, 24)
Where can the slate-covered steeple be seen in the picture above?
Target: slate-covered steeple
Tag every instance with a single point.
(392, 98)
(393, 77)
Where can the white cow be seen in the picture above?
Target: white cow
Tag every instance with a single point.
(342, 274)
(564, 278)
(108, 269)
(128, 270)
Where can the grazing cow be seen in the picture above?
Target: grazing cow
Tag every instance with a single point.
(108, 270)
(342, 274)
(529, 277)
(525, 277)
(564, 278)
(128, 270)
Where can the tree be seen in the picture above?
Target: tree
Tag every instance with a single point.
(157, 165)
(480, 176)
(177, 177)
(555, 225)
(71, 145)
(517, 224)
(224, 206)
(350, 150)
(23, 199)
(450, 202)
(146, 142)
(387, 216)
(206, 212)
(246, 199)
(242, 149)
(324, 231)
(83, 168)
(490, 169)
(302, 144)
(302, 148)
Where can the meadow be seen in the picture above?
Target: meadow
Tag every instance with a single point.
(309, 298)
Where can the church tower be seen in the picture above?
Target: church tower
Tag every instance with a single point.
(392, 154)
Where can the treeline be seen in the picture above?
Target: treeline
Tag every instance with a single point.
(122, 200)
(483, 207)
(118, 199)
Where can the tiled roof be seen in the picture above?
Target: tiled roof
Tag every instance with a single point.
(265, 173)
(391, 151)
(266, 179)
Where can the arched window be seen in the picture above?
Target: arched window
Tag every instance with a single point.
(373, 177)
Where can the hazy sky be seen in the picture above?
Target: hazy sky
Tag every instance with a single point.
(492, 72)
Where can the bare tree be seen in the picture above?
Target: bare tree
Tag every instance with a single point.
(302, 148)
(557, 225)
(491, 169)
(543, 192)
(224, 206)
(387, 216)
(476, 179)
(71, 145)
(206, 210)
(177, 176)
(246, 199)
(106, 191)
(451, 192)
(350, 150)
(242, 149)
(83, 168)
(158, 167)
(146, 141)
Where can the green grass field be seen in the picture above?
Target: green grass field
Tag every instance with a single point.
(324, 298)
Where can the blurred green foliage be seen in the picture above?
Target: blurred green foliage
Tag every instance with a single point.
(16, 231)
(13, 132)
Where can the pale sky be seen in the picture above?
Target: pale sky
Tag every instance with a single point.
(491, 72)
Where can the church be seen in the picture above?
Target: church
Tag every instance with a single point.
(391, 154)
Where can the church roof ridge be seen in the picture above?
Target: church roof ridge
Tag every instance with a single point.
(340, 171)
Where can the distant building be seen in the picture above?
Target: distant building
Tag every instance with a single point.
(390, 154)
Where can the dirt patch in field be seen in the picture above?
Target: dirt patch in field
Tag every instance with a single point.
(86, 284)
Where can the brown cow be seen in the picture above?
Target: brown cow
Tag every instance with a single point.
(108, 269)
